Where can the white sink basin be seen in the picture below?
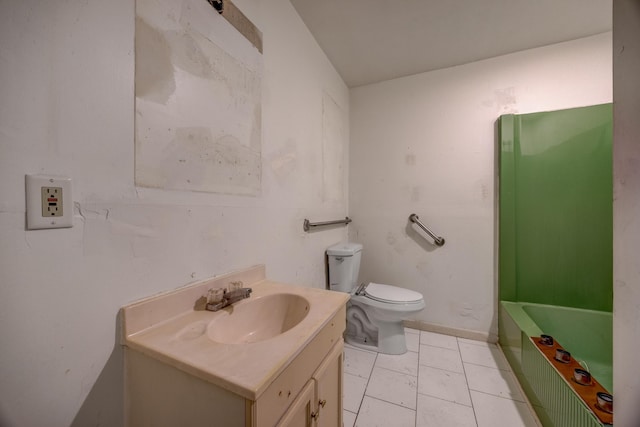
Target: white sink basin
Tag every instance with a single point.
(258, 319)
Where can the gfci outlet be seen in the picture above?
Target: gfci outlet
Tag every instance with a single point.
(52, 204)
(48, 202)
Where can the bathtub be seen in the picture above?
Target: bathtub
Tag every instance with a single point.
(587, 334)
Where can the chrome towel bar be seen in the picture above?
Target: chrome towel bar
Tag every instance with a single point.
(307, 225)
(439, 241)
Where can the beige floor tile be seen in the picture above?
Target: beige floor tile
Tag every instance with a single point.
(377, 413)
(393, 387)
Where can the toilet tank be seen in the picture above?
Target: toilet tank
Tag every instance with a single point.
(344, 266)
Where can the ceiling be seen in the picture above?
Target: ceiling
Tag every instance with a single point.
(374, 40)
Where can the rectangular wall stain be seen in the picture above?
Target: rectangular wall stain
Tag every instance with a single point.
(334, 137)
(198, 101)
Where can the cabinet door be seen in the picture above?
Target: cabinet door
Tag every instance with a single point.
(301, 413)
(328, 379)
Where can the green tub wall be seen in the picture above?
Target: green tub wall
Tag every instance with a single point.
(555, 233)
(556, 208)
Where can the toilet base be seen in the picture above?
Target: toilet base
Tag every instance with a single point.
(374, 329)
(391, 345)
(360, 343)
(391, 339)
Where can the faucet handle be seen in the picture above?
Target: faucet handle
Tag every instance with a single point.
(234, 286)
(215, 295)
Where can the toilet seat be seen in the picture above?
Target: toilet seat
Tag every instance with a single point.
(391, 294)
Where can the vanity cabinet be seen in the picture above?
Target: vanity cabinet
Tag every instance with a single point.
(328, 387)
(306, 392)
(301, 413)
(319, 404)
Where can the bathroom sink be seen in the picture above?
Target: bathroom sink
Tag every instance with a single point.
(258, 319)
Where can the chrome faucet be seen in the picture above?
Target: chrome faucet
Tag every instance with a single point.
(219, 298)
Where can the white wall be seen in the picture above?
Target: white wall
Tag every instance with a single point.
(626, 211)
(67, 108)
(425, 144)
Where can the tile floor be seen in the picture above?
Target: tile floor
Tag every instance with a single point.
(441, 381)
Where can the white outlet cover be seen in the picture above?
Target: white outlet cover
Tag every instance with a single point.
(35, 218)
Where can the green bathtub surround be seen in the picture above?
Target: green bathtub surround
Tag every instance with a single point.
(556, 196)
(556, 251)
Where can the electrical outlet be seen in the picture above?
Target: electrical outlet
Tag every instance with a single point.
(52, 204)
(48, 202)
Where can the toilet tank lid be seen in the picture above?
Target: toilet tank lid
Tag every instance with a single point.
(344, 249)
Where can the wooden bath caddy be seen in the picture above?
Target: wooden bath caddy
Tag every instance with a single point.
(586, 392)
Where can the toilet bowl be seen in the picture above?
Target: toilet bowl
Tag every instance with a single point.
(376, 311)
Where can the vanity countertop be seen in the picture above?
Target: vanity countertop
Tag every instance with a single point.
(172, 328)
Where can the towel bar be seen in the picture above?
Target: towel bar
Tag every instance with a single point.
(307, 225)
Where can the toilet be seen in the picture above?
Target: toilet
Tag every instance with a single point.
(375, 311)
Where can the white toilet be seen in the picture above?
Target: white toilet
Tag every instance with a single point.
(375, 312)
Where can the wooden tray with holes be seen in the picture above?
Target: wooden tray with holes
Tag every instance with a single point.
(586, 392)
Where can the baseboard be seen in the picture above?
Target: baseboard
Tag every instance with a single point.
(447, 330)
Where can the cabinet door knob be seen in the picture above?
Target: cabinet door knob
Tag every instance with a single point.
(323, 402)
(315, 415)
